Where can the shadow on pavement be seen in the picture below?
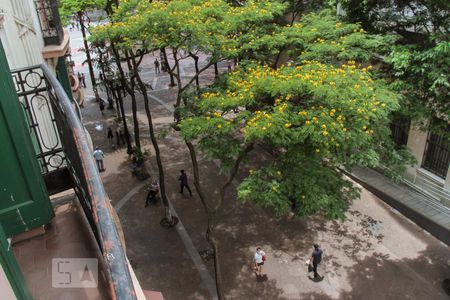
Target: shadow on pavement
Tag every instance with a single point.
(379, 277)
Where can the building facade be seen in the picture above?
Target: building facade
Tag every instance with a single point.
(431, 173)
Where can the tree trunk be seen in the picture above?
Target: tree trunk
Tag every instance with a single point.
(130, 90)
(137, 139)
(102, 66)
(216, 70)
(88, 55)
(210, 237)
(275, 64)
(124, 121)
(143, 88)
(197, 81)
(119, 113)
(178, 77)
(214, 243)
(166, 61)
(212, 210)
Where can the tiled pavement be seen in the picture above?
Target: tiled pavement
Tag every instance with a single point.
(67, 236)
(429, 214)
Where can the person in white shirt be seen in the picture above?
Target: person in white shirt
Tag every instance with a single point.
(259, 259)
(98, 155)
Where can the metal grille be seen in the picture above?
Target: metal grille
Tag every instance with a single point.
(437, 155)
(32, 89)
(50, 21)
(400, 131)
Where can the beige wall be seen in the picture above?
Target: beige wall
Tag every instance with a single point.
(417, 140)
(21, 33)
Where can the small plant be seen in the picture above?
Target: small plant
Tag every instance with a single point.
(138, 167)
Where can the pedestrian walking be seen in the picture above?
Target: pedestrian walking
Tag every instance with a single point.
(80, 79)
(316, 258)
(98, 155)
(184, 182)
(156, 66)
(229, 67)
(153, 191)
(110, 137)
(259, 259)
(101, 105)
(83, 79)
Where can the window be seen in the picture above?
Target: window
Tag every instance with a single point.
(437, 154)
(400, 130)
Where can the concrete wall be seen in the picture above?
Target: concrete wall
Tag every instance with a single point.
(417, 140)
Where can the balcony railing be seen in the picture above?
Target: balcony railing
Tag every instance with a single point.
(33, 91)
(39, 90)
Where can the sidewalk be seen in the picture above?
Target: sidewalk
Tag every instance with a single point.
(374, 254)
(427, 213)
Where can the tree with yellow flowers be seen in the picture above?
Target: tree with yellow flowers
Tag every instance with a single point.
(183, 29)
(322, 112)
(314, 118)
(304, 92)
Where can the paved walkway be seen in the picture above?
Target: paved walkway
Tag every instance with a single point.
(427, 213)
(67, 236)
(375, 253)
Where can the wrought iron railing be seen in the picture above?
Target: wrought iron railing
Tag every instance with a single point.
(437, 154)
(89, 187)
(400, 130)
(32, 89)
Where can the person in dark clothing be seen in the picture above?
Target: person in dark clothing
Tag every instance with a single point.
(153, 191)
(316, 258)
(101, 105)
(83, 79)
(156, 66)
(184, 182)
(110, 137)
